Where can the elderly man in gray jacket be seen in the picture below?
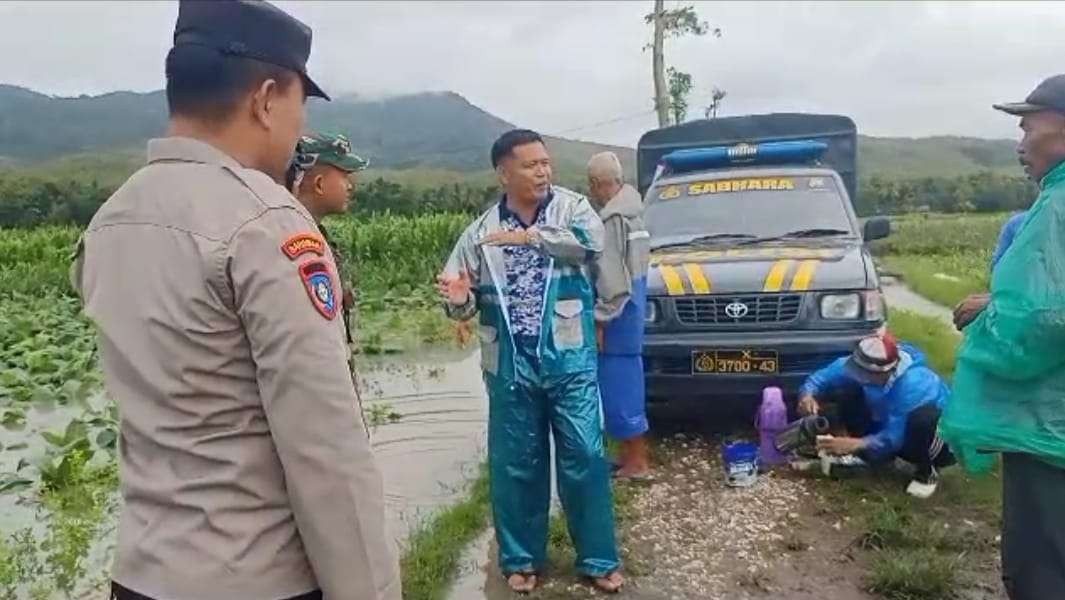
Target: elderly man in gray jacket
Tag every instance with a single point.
(621, 290)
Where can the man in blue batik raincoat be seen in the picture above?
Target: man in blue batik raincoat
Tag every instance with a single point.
(523, 266)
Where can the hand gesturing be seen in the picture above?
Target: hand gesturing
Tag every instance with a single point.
(454, 289)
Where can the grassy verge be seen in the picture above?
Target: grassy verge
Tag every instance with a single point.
(431, 558)
(938, 341)
(923, 550)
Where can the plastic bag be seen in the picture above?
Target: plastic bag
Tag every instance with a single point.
(1009, 385)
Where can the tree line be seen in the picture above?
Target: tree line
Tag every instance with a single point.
(27, 201)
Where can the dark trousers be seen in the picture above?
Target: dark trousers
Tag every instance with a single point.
(1033, 528)
(921, 446)
(120, 593)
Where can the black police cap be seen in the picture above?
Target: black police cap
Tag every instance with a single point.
(249, 28)
(1048, 95)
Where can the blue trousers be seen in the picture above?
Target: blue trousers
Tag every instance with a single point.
(521, 415)
(621, 379)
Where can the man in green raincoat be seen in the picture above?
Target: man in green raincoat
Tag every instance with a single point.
(1009, 392)
(524, 266)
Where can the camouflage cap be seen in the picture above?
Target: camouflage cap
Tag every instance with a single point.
(327, 149)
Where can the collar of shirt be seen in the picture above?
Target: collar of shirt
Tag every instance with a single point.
(1054, 177)
(505, 213)
(183, 149)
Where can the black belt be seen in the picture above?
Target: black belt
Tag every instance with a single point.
(120, 593)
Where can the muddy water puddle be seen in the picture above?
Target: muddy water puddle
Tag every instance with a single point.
(429, 421)
(435, 442)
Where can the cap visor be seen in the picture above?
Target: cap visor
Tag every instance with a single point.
(311, 89)
(352, 164)
(1018, 108)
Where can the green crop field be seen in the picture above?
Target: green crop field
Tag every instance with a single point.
(942, 257)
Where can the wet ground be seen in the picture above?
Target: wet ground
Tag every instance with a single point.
(434, 448)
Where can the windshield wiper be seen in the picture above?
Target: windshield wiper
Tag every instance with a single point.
(798, 234)
(705, 239)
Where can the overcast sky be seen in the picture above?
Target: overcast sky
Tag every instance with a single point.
(905, 69)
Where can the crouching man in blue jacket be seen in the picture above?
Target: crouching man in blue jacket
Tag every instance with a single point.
(889, 401)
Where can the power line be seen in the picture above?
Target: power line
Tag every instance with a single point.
(470, 148)
(628, 117)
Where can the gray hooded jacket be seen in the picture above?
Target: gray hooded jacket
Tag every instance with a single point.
(626, 248)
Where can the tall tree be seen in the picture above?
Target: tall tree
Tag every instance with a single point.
(671, 23)
(680, 85)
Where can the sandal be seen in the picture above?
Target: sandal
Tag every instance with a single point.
(610, 583)
(521, 583)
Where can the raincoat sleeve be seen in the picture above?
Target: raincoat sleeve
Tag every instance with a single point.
(579, 242)
(826, 380)
(887, 441)
(465, 257)
(1021, 334)
(613, 282)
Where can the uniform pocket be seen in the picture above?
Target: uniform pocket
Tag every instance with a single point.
(568, 324)
(489, 348)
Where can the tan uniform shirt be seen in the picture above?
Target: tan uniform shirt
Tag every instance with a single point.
(245, 467)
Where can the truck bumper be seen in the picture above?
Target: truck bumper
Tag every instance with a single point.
(667, 359)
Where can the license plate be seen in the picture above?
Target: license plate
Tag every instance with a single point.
(735, 362)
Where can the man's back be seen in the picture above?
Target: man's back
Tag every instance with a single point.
(184, 274)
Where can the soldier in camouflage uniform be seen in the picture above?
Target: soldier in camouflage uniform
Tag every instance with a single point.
(322, 177)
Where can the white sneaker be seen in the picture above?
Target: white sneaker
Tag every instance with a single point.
(923, 487)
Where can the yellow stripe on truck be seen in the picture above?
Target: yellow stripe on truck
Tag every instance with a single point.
(804, 276)
(700, 284)
(671, 278)
(774, 281)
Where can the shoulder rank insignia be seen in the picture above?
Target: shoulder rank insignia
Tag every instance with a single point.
(303, 243)
(319, 284)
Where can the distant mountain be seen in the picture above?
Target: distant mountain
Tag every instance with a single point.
(427, 138)
(935, 156)
(438, 130)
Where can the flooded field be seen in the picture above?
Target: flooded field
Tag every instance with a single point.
(427, 415)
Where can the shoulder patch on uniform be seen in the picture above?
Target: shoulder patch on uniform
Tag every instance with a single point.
(303, 243)
(318, 282)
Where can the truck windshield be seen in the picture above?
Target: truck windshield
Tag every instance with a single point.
(726, 210)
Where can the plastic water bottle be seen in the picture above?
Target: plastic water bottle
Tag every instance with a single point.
(772, 418)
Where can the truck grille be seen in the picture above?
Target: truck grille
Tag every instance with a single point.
(761, 308)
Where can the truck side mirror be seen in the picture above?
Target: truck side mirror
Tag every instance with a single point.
(876, 228)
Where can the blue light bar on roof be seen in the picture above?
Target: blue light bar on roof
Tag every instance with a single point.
(769, 153)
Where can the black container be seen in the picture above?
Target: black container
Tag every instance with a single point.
(801, 433)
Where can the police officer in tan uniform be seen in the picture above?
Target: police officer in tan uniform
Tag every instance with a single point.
(246, 471)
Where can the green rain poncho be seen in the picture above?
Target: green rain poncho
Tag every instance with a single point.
(1009, 386)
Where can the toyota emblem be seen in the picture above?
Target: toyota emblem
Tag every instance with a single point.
(736, 310)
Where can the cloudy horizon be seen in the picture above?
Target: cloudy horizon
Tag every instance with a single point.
(578, 69)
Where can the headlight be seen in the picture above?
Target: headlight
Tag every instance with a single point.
(651, 312)
(841, 306)
(874, 305)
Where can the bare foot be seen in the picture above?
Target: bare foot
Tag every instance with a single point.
(610, 583)
(522, 583)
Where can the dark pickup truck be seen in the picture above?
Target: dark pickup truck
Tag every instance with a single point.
(759, 271)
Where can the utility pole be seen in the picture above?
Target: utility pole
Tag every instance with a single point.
(658, 63)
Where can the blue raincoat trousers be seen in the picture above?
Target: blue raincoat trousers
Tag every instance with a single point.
(542, 385)
(621, 368)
